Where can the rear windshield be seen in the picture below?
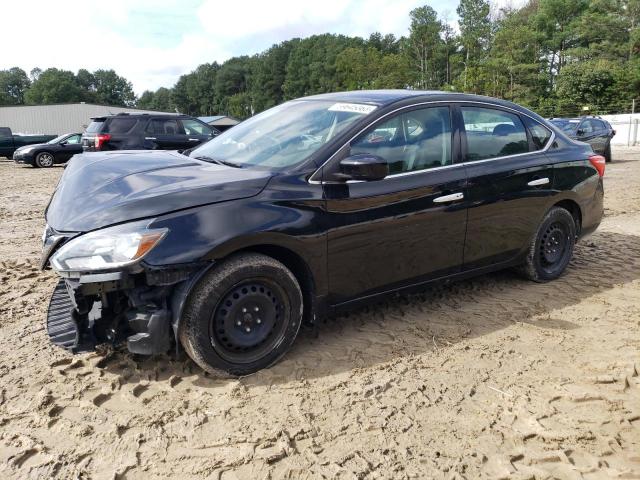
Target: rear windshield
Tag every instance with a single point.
(94, 126)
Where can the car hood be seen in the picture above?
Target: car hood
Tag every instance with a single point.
(31, 145)
(105, 188)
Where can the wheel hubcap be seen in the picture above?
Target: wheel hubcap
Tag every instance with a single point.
(46, 160)
(248, 321)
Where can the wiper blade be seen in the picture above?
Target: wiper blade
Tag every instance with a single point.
(218, 161)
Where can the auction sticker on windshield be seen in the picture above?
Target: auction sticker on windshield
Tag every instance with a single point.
(352, 107)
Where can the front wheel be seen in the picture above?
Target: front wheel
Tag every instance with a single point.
(551, 247)
(44, 160)
(242, 316)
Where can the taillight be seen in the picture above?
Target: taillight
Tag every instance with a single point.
(599, 162)
(101, 139)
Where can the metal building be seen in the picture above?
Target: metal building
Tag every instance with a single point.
(221, 122)
(58, 118)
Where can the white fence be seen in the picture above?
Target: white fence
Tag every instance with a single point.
(627, 127)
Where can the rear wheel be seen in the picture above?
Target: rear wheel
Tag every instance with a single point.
(242, 316)
(551, 248)
(44, 160)
(607, 153)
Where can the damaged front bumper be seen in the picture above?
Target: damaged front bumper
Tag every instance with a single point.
(139, 307)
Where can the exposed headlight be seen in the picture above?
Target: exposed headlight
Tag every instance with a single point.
(25, 149)
(109, 248)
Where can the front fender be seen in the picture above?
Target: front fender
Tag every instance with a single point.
(212, 232)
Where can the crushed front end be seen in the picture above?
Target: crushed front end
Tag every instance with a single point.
(122, 300)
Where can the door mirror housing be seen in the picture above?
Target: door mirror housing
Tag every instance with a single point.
(580, 132)
(364, 166)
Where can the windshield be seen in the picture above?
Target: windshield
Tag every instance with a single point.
(566, 125)
(57, 139)
(282, 136)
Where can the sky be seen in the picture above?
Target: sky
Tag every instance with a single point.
(153, 42)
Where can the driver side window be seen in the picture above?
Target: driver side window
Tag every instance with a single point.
(411, 141)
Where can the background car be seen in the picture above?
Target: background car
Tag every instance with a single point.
(146, 132)
(9, 142)
(44, 155)
(595, 131)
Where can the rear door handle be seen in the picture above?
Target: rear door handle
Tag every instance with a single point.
(150, 138)
(449, 198)
(538, 181)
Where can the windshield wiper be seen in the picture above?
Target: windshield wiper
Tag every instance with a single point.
(218, 161)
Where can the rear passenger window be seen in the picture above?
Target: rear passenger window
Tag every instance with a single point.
(539, 133)
(493, 133)
(411, 141)
(161, 126)
(121, 125)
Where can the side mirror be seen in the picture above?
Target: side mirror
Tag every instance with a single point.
(63, 143)
(364, 166)
(580, 132)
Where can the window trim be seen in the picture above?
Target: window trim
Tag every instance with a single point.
(318, 170)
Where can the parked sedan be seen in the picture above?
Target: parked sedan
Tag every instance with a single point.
(44, 155)
(312, 207)
(595, 131)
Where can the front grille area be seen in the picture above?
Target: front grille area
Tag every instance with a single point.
(61, 326)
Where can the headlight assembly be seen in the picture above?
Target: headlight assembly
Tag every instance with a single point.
(109, 248)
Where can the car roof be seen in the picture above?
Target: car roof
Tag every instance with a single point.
(377, 97)
(383, 98)
(102, 118)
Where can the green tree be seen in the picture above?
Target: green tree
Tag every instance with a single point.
(268, 76)
(163, 100)
(146, 100)
(112, 89)
(13, 85)
(601, 85)
(475, 37)
(55, 86)
(426, 47)
(312, 64)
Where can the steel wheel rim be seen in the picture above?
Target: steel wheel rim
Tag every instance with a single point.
(46, 159)
(554, 245)
(249, 321)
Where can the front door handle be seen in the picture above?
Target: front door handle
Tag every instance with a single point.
(194, 139)
(538, 181)
(449, 198)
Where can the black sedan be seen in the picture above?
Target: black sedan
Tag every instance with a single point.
(311, 207)
(595, 131)
(58, 150)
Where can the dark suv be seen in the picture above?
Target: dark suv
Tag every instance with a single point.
(314, 206)
(593, 130)
(127, 131)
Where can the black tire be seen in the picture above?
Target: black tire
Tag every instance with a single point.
(242, 316)
(551, 248)
(607, 153)
(44, 160)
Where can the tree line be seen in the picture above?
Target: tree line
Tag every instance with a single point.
(554, 56)
(62, 86)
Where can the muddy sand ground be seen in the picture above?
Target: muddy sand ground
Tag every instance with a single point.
(494, 377)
